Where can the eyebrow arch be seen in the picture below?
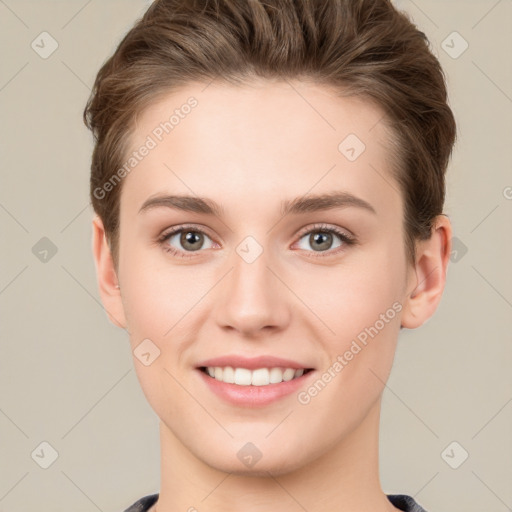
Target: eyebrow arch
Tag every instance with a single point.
(320, 202)
(304, 204)
(185, 203)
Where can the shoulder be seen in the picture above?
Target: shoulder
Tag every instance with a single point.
(144, 504)
(405, 503)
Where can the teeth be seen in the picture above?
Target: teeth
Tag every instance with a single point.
(259, 377)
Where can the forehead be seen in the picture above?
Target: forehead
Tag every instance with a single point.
(264, 140)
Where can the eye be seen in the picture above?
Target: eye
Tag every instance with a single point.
(321, 239)
(183, 239)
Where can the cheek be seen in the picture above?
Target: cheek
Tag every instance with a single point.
(166, 305)
(159, 308)
(156, 294)
(365, 318)
(360, 305)
(352, 297)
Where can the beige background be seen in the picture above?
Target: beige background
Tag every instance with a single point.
(66, 374)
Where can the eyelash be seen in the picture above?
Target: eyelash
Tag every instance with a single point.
(348, 240)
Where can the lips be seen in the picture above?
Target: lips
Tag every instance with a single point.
(259, 393)
(253, 363)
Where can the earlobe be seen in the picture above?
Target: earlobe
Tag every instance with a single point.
(428, 277)
(106, 274)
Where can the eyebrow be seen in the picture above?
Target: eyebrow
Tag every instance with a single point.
(304, 204)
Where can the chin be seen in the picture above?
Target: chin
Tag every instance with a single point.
(279, 464)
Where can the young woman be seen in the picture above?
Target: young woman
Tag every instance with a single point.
(268, 182)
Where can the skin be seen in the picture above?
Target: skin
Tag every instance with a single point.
(248, 148)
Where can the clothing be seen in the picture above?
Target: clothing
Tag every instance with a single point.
(401, 501)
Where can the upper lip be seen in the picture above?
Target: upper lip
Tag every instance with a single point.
(252, 363)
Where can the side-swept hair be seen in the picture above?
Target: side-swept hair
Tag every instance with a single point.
(358, 47)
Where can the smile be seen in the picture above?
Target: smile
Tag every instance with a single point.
(257, 377)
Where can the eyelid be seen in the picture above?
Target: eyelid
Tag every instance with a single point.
(183, 227)
(325, 227)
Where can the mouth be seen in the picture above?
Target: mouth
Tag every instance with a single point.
(253, 377)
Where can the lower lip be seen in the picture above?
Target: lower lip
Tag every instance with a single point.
(253, 396)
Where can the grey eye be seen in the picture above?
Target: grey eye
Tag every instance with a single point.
(189, 239)
(320, 240)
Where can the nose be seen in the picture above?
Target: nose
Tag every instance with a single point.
(252, 298)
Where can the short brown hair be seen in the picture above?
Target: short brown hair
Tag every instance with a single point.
(359, 47)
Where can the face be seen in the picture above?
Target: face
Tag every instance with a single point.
(274, 271)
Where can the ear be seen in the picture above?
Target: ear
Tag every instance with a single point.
(428, 277)
(107, 279)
